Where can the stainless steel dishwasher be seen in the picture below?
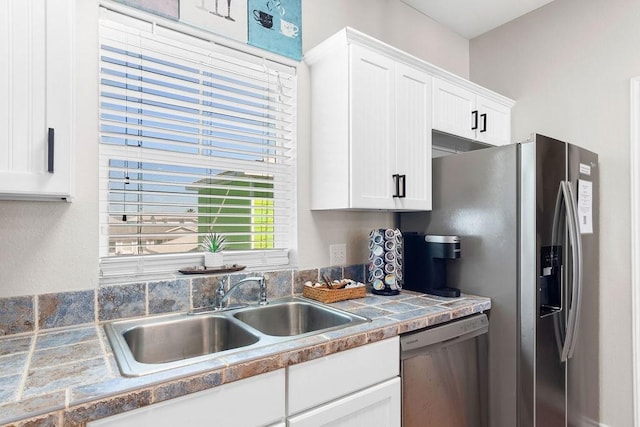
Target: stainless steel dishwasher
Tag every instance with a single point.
(444, 374)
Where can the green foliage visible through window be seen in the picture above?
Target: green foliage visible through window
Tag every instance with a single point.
(241, 210)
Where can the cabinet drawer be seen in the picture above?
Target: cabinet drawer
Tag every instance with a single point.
(377, 406)
(322, 380)
(255, 401)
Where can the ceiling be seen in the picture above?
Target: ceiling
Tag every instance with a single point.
(470, 18)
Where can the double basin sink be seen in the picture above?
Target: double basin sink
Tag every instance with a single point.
(152, 344)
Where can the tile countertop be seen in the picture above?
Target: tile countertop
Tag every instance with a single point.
(69, 376)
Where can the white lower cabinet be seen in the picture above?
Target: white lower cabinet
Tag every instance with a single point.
(374, 406)
(255, 401)
(358, 387)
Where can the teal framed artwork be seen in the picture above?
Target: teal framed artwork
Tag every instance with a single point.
(276, 25)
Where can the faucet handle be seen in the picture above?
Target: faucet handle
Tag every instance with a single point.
(263, 291)
(220, 294)
(221, 286)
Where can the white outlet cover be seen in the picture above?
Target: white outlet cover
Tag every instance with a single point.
(338, 254)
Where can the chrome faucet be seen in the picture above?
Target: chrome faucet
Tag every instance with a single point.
(221, 295)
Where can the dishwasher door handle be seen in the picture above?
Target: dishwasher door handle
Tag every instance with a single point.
(408, 354)
(464, 337)
(459, 330)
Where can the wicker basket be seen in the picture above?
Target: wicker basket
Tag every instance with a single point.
(327, 295)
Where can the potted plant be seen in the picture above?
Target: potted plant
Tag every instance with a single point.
(212, 244)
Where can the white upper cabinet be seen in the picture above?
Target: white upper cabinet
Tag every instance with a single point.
(36, 111)
(463, 112)
(372, 127)
(452, 109)
(494, 122)
(371, 130)
(413, 138)
(373, 109)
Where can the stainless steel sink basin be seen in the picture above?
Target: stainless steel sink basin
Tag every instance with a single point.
(183, 338)
(152, 344)
(293, 318)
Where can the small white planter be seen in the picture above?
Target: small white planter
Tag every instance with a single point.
(213, 260)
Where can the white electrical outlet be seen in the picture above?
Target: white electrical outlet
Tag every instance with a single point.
(338, 254)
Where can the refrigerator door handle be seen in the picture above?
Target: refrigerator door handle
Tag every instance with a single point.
(576, 267)
(558, 237)
(574, 322)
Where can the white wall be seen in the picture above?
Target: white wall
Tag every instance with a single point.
(568, 66)
(52, 247)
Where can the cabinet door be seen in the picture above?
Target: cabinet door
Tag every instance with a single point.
(322, 380)
(255, 401)
(495, 127)
(36, 44)
(375, 406)
(372, 129)
(453, 109)
(413, 137)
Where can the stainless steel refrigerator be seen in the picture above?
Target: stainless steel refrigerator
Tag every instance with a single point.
(527, 217)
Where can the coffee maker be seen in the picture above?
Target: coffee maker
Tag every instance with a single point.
(425, 268)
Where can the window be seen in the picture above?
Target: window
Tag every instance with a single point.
(194, 137)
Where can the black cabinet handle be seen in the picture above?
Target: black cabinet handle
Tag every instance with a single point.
(50, 150)
(403, 178)
(484, 122)
(474, 113)
(396, 180)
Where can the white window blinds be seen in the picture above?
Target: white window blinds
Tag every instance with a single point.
(194, 137)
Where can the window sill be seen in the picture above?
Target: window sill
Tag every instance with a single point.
(127, 269)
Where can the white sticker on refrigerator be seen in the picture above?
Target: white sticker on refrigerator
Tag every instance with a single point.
(585, 206)
(585, 169)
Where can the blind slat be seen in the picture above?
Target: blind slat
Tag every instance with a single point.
(194, 184)
(206, 136)
(278, 171)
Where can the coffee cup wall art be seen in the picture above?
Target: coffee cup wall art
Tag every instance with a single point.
(276, 25)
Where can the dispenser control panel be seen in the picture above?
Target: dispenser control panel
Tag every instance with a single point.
(550, 280)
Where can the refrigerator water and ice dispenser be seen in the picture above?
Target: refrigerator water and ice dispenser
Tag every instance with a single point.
(550, 280)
